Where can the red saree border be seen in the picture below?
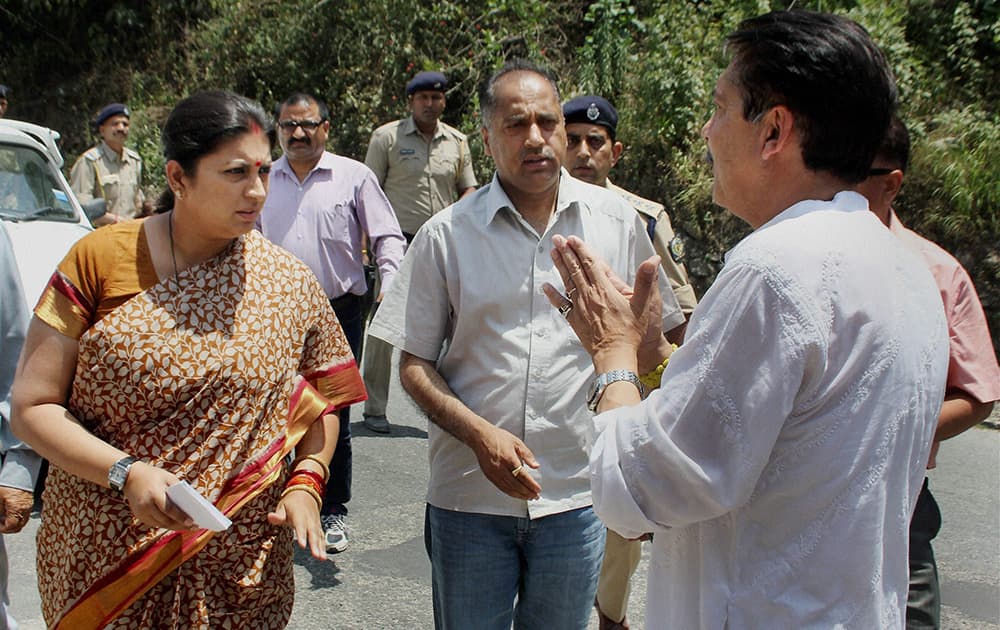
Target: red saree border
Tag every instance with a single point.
(109, 596)
(63, 307)
(340, 384)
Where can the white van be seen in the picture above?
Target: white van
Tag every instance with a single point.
(37, 207)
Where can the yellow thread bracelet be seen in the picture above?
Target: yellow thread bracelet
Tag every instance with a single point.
(651, 379)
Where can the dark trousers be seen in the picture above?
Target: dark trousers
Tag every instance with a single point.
(923, 604)
(350, 311)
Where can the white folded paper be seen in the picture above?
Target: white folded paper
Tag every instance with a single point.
(192, 503)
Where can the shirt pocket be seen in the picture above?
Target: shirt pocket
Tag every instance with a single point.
(412, 163)
(109, 187)
(335, 223)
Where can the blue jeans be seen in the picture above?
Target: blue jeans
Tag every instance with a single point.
(338, 489)
(481, 563)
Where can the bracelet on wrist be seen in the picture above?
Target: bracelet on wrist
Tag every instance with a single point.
(651, 379)
(302, 480)
(318, 460)
(311, 475)
(308, 490)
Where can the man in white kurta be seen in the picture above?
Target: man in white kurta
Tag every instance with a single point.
(768, 463)
(779, 461)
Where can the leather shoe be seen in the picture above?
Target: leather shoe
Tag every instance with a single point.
(605, 622)
(378, 424)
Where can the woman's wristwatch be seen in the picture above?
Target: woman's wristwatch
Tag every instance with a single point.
(118, 474)
(602, 381)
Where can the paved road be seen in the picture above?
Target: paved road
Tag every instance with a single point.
(382, 580)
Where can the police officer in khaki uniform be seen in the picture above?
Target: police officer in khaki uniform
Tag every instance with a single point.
(424, 166)
(591, 125)
(110, 170)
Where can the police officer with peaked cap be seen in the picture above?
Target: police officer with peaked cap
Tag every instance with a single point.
(110, 170)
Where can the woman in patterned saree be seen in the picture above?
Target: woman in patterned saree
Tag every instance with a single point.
(187, 342)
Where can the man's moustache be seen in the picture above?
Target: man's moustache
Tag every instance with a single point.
(708, 158)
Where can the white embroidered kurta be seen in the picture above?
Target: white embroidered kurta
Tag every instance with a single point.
(780, 460)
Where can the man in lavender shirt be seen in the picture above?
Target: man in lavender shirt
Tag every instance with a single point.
(319, 207)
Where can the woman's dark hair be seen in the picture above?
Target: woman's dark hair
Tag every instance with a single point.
(203, 121)
(828, 72)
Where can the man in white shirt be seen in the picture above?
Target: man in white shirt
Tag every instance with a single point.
(779, 462)
(502, 376)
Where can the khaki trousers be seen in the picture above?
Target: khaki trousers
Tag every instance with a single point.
(621, 557)
(377, 362)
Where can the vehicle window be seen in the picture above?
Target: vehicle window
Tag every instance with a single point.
(29, 188)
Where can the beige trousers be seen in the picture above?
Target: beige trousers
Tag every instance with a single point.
(621, 557)
(377, 363)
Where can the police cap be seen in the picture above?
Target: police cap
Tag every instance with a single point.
(595, 110)
(434, 81)
(108, 111)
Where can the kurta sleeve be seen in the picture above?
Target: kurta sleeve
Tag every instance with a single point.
(696, 447)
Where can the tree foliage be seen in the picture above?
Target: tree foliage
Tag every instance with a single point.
(657, 60)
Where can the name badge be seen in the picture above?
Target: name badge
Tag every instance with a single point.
(407, 151)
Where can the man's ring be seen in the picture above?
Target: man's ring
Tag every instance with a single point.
(517, 471)
(565, 309)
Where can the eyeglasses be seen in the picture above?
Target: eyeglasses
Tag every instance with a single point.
(595, 142)
(872, 172)
(307, 125)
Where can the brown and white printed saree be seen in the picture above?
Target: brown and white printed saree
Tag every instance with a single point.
(215, 376)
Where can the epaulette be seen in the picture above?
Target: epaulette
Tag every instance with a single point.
(641, 204)
(92, 154)
(455, 133)
(133, 154)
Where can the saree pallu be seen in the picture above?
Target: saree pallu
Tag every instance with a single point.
(214, 376)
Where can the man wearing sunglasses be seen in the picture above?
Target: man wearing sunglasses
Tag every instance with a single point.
(318, 207)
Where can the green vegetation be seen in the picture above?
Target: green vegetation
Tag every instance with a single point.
(656, 60)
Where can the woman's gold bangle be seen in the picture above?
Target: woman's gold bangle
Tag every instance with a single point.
(315, 458)
(304, 488)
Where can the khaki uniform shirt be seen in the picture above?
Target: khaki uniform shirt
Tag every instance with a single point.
(419, 177)
(100, 172)
(668, 245)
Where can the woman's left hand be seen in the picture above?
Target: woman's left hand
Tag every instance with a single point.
(299, 511)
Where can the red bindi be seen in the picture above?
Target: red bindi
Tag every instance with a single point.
(257, 163)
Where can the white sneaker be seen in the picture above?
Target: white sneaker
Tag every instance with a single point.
(334, 531)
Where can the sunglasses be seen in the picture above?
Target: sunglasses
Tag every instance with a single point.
(307, 125)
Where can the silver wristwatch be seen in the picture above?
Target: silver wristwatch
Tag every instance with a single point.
(603, 380)
(118, 474)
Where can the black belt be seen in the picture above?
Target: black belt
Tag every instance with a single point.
(346, 300)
